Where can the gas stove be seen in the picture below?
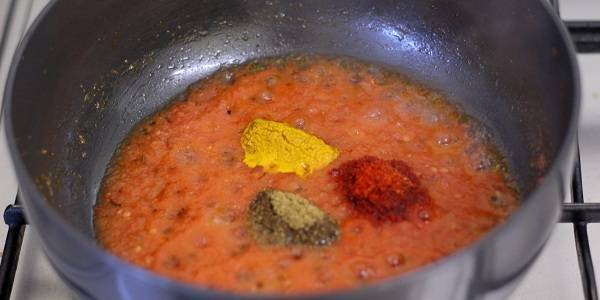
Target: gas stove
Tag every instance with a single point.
(564, 270)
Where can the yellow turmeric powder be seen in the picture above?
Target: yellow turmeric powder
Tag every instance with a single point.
(278, 147)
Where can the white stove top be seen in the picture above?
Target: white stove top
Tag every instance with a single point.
(555, 274)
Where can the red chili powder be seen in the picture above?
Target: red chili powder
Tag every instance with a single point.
(383, 189)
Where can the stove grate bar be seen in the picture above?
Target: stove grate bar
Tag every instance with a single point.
(585, 35)
(584, 256)
(15, 219)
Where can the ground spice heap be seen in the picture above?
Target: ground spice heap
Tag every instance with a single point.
(283, 218)
(384, 190)
(278, 147)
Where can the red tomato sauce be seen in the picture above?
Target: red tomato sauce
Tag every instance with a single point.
(175, 198)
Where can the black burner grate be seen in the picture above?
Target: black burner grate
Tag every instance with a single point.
(580, 214)
(586, 37)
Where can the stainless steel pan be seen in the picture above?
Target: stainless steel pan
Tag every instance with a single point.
(87, 71)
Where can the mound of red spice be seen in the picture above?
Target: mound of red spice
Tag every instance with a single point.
(384, 190)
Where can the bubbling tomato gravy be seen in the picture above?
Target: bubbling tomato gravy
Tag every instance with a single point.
(410, 179)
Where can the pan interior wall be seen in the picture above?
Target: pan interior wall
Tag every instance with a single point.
(92, 70)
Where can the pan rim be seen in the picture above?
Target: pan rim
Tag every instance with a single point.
(120, 266)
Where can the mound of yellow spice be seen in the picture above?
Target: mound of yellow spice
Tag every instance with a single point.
(278, 147)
